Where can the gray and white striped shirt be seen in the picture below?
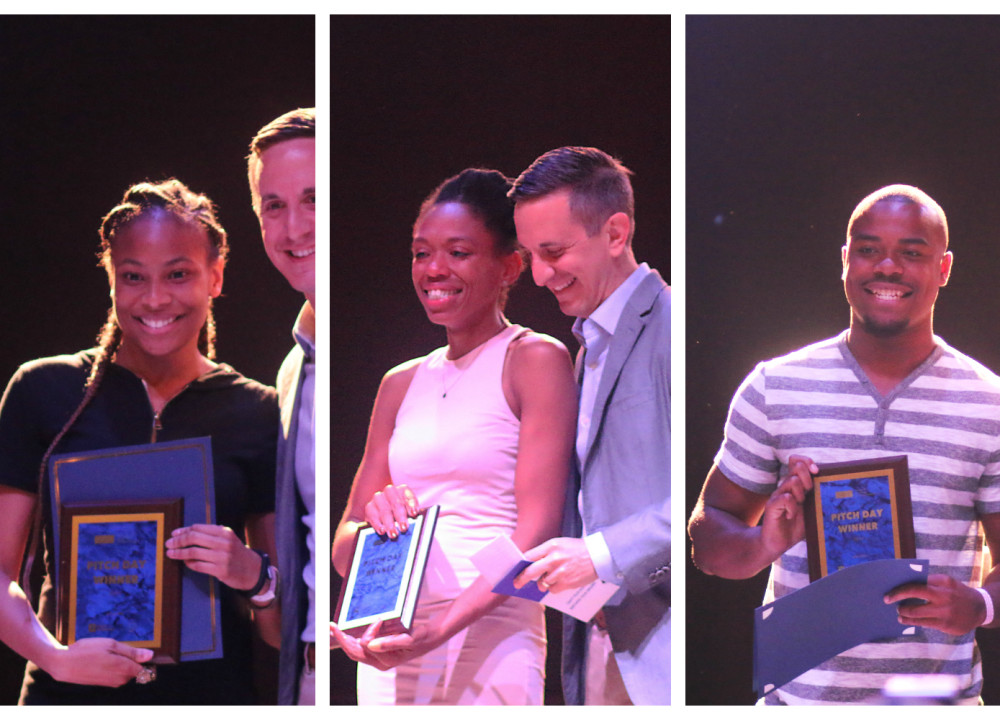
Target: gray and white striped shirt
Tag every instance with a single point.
(945, 417)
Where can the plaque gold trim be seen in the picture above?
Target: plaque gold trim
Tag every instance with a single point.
(845, 514)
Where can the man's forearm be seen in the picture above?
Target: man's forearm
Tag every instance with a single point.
(723, 545)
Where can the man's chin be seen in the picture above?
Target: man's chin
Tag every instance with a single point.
(884, 330)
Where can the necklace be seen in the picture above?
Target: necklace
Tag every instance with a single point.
(468, 360)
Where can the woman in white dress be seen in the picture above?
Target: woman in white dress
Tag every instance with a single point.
(482, 427)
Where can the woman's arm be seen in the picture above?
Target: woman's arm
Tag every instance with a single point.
(93, 661)
(539, 386)
(543, 394)
(260, 536)
(373, 472)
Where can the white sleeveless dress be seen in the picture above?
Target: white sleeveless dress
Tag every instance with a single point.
(455, 445)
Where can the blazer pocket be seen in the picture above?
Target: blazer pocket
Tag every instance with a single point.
(629, 401)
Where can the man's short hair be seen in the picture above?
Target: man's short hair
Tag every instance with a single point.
(599, 184)
(904, 194)
(300, 123)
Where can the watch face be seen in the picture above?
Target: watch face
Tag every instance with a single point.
(265, 598)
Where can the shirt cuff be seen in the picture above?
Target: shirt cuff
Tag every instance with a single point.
(600, 555)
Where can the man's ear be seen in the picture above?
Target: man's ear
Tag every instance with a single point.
(618, 228)
(946, 261)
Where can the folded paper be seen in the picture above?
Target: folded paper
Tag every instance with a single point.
(500, 562)
(842, 610)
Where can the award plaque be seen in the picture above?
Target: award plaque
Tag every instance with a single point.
(142, 475)
(118, 582)
(383, 581)
(857, 512)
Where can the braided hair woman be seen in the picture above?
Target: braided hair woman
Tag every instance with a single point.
(152, 378)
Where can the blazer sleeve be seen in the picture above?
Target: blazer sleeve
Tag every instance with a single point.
(627, 481)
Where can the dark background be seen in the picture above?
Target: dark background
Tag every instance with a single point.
(91, 105)
(417, 99)
(790, 122)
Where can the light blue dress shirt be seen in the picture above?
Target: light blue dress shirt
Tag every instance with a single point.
(595, 333)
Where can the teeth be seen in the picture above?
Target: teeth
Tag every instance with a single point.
(156, 324)
(302, 253)
(560, 288)
(441, 294)
(887, 294)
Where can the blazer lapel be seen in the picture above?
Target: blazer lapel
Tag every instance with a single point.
(627, 333)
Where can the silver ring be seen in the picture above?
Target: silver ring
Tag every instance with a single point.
(146, 675)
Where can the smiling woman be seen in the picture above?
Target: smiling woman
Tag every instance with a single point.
(152, 378)
(482, 428)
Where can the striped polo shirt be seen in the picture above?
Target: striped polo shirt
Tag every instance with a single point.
(945, 417)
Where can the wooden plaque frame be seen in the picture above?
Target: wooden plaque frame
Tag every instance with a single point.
(106, 549)
(858, 511)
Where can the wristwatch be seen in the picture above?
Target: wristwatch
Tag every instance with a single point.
(267, 572)
(265, 599)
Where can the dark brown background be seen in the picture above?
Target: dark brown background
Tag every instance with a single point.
(790, 122)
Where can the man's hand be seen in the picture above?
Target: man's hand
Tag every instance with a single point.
(558, 564)
(784, 522)
(949, 606)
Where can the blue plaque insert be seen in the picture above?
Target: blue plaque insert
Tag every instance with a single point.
(117, 576)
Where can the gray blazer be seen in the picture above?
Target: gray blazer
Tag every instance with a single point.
(626, 494)
(290, 535)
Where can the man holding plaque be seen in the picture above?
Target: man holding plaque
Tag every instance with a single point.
(282, 174)
(884, 388)
(574, 211)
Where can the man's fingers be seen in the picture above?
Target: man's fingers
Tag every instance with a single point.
(539, 551)
(530, 574)
(918, 591)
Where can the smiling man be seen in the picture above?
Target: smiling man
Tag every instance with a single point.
(887, 386)
(282, 172)
(574, 212)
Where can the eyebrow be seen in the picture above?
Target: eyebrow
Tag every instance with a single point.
(305, 191)
(176, 261)
(877, 238)
(449, 241)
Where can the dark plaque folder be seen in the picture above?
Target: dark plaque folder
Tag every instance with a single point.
(383, 581)
(112, 511)
(858, 512)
